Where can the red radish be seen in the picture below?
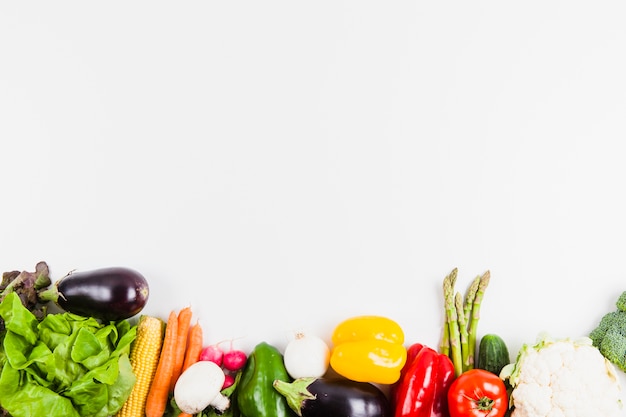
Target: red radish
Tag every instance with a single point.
(234, 360)
(229, 380)
(213, 354)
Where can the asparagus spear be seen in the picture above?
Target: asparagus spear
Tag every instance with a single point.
(469, 299)
(448, 281)
(458, 302)
(453, 325)
(444, 346)
(475, 315)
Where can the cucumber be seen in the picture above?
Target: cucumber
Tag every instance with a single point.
(493, 354)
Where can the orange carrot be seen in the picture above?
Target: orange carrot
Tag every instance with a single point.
(184, 321)
(185, 415)
(194, 346)
(159, 390)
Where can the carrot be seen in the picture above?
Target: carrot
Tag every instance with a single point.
(184, 320)
(194, 346)
(159, 390)
(185, 415)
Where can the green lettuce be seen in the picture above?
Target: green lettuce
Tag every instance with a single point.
(64, 365)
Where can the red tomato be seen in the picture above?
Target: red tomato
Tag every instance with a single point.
(477, 393)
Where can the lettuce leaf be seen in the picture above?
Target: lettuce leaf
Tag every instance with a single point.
(63, 365)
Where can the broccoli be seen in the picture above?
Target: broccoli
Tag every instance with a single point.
(621, 302)
(610, 334)
(613, 346)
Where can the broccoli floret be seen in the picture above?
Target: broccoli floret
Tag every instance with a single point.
(621, 302)
(614, 318)
(613, 347)
(610, 334)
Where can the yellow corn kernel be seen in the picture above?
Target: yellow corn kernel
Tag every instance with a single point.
(144, 358)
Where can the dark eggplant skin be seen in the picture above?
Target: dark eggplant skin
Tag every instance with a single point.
(334, 397)
(109, 294)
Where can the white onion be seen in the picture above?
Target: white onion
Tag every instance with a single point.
(306, 356)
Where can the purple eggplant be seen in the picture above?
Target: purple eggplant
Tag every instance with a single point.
(109, 294)
(334, 397)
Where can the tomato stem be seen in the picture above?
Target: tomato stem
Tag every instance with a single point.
(484, 403)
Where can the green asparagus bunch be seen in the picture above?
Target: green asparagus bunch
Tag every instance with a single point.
(461, 320)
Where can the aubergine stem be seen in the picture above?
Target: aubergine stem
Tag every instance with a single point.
(51, 294)
(295, 392)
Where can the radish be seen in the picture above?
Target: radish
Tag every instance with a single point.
(213, 354)
(229, 380)
(234, 360)
(306, 356)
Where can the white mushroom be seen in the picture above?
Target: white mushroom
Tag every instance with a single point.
(199, 386)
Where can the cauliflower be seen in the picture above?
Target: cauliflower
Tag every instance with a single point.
(563, 378)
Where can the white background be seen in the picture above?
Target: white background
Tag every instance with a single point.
(283, 165)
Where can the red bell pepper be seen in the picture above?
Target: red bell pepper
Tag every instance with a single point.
(424, 383)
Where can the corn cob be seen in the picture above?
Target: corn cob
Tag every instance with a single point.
(144, 357)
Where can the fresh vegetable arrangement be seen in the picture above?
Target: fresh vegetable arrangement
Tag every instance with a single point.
(63, 365)
(100, 356)
(66, 363)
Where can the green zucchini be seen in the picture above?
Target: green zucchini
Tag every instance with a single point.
(493, 354)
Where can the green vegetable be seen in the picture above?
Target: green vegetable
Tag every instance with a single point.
(29, 286)
(452, 321)
(64, 365)
(475, 314)
(461, 321)
(463, 333)
(610, 334)
(256, 396)
(493, 354)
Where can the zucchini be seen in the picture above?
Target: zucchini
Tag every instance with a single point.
(493, 354)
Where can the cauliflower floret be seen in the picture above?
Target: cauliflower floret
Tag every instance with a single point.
(563, 378)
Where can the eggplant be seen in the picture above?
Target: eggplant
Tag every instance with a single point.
(334, 397)
(109, 294)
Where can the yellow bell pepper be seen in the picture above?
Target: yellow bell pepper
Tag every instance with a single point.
(368, 349)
